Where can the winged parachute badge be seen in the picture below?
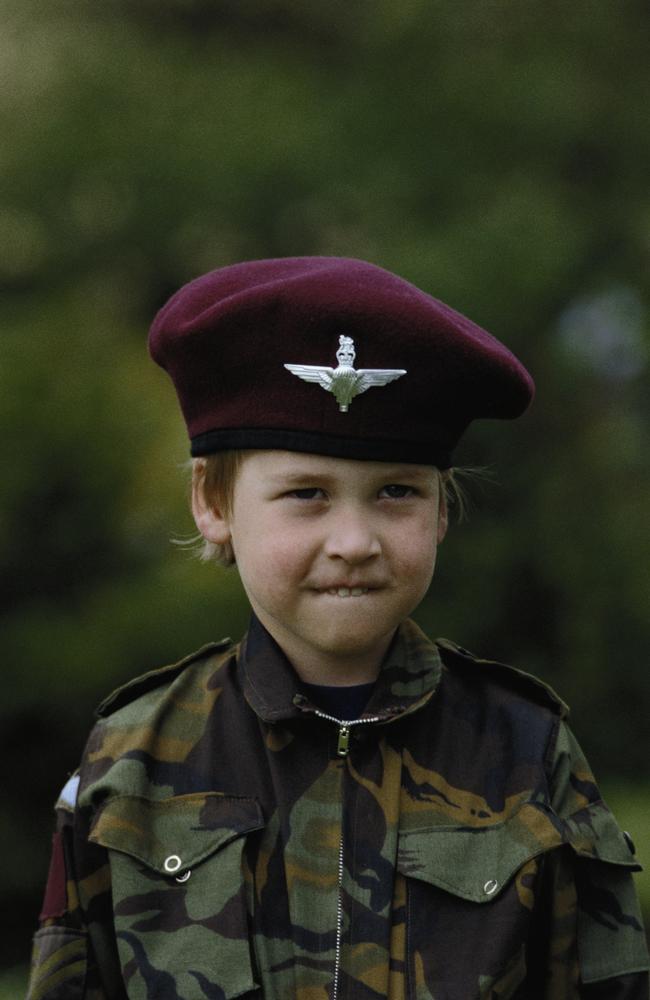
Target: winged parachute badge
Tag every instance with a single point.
(345, 382)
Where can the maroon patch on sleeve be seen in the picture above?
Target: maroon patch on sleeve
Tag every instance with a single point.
(55, 901)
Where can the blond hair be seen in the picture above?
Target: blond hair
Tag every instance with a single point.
(213, 477)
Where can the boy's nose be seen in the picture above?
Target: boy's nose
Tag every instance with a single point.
(352, 538)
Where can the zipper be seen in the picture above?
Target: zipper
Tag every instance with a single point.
(339, 923)
(342, 750)
(343, 745)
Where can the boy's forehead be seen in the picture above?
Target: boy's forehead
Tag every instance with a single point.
(288, 465)
(331, 356)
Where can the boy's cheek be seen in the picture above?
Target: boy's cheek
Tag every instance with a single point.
(269, 562)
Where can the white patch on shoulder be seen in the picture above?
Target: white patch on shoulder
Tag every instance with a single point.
(68, 796)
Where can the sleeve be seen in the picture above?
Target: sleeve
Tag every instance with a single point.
(596, 941)
(63, 963)
(60, 949)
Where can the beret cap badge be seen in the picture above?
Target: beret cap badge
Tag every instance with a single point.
(345, 382)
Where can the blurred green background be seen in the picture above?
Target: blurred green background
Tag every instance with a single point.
(495, 153)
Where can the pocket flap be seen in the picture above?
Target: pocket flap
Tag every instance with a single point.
(476, 863)
(594, 833)
(173, 835)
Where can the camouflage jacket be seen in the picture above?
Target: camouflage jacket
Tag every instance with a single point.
(230, 840)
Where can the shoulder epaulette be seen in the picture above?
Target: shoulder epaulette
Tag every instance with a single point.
(155, 678)
(517, 680)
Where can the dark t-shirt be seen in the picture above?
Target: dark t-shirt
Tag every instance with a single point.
(344, 703)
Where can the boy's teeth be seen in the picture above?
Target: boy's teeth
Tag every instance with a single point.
(348, 591)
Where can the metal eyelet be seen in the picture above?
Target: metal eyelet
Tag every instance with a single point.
(184, 877)
(490, 887)
(172, 863)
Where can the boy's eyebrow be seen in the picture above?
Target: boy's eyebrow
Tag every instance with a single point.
(299, 476)
(391, 474)
(406, 472)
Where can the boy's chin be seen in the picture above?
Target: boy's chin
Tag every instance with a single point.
(348, 645)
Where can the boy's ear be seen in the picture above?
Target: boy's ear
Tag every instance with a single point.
(211, 523)
(443, 514)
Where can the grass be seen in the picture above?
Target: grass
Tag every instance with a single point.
(13, 983)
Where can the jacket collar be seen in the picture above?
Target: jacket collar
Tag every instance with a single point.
(408, 677)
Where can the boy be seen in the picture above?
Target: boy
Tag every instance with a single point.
(336, 807)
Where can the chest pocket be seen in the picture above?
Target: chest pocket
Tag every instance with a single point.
(470, 895)
(179, 900)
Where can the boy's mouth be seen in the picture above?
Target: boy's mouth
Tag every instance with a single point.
(348, 591)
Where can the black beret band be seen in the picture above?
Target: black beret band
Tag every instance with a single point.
(255, 438)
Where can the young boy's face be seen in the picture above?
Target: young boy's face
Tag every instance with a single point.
(333, 553)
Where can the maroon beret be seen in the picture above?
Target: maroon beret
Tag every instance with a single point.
(332, 356)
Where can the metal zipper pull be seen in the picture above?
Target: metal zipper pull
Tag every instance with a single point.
(345, 728)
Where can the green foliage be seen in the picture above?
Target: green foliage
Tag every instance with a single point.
(495, 154)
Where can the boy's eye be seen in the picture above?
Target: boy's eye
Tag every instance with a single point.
(395, 491)
(309, 493)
